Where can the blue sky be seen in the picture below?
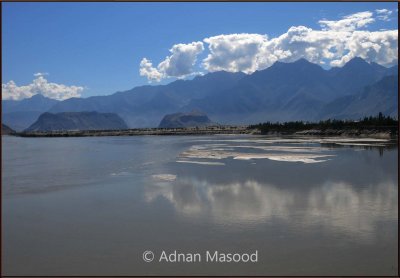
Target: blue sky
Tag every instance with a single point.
(100, 46)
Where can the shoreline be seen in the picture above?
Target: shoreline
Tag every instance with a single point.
(376, 132)
(234, 130)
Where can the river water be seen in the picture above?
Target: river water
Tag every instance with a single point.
(92, 206)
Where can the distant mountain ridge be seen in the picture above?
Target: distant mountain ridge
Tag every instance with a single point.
(21, 114)
(381, 96)
(145, 106)
(78, 121)
(283, 92)
(288, 91)
(6, 130)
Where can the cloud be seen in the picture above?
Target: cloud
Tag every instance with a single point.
(384, 14)
(179, 64)
(40, 74)
(147, 69)
(349, 22)
(182, 60)
(301, 42)
(336, 47)
(39, 85)
(251, 52)
(334, 44)
(380, 47)
(234, 52)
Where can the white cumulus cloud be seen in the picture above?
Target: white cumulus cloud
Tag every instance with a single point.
(251, 52)
(181, 61)
(334, 43)
(147, 69)
(179, 64)
(234, 52)
(39, 85)
(380, 47)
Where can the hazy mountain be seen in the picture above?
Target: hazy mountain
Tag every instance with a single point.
(191, 119)
(355, 75)
(280, 92)
(288, 91)
(37, 102)
(146, 105)
(393, 70)
(6, 130)
(381, 96)
(78, 121)
(19, 114)
(285, 91)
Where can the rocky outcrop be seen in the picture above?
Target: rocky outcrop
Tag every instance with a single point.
(180, 120)
(77, 121)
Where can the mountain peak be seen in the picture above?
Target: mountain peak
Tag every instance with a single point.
(218, 74)
(302, 61)
(38, 96)
(357, 61)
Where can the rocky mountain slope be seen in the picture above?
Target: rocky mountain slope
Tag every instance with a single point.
(78, 121)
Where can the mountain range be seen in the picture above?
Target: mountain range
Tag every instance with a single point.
(283, 92)
(20, 114)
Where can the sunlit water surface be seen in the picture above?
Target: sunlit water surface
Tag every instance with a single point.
(92, 206)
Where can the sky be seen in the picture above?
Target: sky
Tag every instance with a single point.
(65, 50)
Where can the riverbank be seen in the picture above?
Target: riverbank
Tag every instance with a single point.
(382, 132)
(376, 132)
(211, 130)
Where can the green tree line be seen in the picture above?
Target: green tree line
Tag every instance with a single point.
(378, 121)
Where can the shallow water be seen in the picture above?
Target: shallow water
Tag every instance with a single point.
(92, 206)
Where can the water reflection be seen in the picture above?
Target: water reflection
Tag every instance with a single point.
(339, 206)
(234, 202)
(334, 205)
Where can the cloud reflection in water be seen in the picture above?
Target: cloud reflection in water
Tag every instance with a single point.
(333, 205)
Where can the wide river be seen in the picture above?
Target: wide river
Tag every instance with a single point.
(92, 206)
